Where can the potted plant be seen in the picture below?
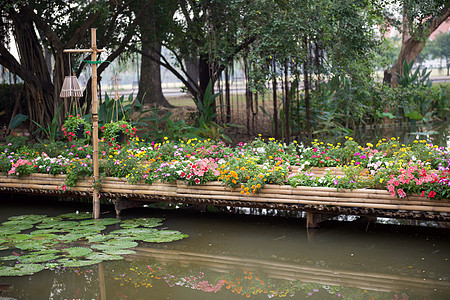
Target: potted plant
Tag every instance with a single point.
(75, 128)
(118, 132)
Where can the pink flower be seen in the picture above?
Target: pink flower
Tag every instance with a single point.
(401, 193)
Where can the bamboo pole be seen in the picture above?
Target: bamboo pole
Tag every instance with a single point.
(93, 51)
(95, 195)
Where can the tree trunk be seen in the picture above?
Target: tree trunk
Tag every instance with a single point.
(40, 90)
(150, 90)
(227, 95)
(275, 108)
(412, 45)
(286, 102)
(306, 82)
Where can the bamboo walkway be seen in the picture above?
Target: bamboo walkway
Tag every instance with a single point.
(314, 200)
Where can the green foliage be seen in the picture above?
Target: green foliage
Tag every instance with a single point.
(206, 117)
(17, 141)
(79, 247)
(76, 127)
(164, 127)
(52, 130)
(413, 78)
(18, 120)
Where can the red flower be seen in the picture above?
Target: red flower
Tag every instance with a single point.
(431, 194)
(423, 194)
(197, 181)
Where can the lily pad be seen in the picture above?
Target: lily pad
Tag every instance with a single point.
(80, 263)
(30, 246)
(71, 237)
(98, 238)
(38, 258)
(78, 251)
(119, 251)
(44, 231)
(49, 223)
(9, 257)
(103, 256)
(21, 270)
(142, 222)
(77, 216)
(19, 237)
(34, 218)
(5, 230)
(165, 236)
(121, 244)
(133, 231)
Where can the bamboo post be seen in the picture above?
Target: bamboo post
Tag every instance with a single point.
(93, 51)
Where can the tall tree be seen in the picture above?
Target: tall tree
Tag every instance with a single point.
(419, 20)
(153, 29)
(55, 25)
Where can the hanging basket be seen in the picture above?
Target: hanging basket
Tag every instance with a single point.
(71, 88)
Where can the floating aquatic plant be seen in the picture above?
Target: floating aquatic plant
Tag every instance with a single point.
(77, 216)
(119, 251)
(37, 258)
(103, 256)
(164, 236)
(144, 222)
(80, 240)
(21, 269)
(78, 251)
(79, 263)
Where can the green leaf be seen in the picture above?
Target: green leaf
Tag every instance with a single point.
(78, 251)
(18, 120)
(21, 270)
(103, 256)
(119, 251)
(164, 236)
(80, 263)
(37, 258)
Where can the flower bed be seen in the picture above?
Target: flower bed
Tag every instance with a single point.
(359, 198)
(419, 169)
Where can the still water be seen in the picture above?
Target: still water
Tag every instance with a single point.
(230, 256)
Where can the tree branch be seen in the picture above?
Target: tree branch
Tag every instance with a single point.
(7, 60)
(46, 29)
(192, 89)
(126, 39)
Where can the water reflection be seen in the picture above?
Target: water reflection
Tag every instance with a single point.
(231, 256)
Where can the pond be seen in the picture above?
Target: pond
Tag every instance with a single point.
(237, 256)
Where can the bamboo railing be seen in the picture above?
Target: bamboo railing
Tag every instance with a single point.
(359, 198)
